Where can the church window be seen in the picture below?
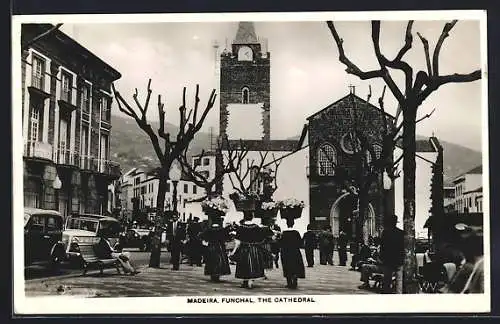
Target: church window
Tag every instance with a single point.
(245, 95)
(327, 160)
(378, 151)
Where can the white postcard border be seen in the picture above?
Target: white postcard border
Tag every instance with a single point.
(439, 303)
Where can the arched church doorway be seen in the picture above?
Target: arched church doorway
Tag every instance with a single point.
(341, 217)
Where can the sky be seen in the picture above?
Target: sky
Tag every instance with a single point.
(306, 75)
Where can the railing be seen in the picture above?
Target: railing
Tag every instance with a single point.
(100, 165)
(37, 149)
(66, 157)
(66, 95)
(106, 115)
(37, 81)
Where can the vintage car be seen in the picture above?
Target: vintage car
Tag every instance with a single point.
(88, 228)
(43, 237)
(136, 238)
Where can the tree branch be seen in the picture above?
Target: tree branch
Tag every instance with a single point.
(427, 54)
(384, 62)
(351, 67)
(408, 42)
(426, 116)
(444, 34)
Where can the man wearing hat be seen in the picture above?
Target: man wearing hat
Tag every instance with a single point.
(392, 254)
(195, 244)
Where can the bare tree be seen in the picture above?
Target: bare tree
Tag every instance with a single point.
(168, 151)
(255, 172)
(228, 160)
(414, 92)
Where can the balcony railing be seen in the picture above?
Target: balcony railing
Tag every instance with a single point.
(35, 149)
(66, 95)
(67, 157)
(37, 81)
(107, 167)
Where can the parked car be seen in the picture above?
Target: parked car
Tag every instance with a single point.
(87, 228)
(136, 238)
(43, 237)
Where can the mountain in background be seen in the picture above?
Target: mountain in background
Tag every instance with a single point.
(131, 147)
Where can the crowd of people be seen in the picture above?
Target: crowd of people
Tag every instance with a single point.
(450, 268)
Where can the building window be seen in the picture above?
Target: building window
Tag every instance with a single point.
(206, 161)
(63, 141)
(85, 140)
(38, 68)
(245, 95)
(137, 181)
(186, 188)
(34, 125)
(377, 149)
(327, 160)
(85, 101)
(104, 147)
(66, 87)
(254, 179)
(195, 189)
(196, 162)
(105, 111)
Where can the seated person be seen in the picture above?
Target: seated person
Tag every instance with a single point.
(105, 251)
(371, 265)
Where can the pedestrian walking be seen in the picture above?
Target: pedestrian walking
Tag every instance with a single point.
(216, 260)
(275, 248)
(248, 252)
(326, 245)
(342, 248)
(310, 241)
(177, 233)
(291, 257)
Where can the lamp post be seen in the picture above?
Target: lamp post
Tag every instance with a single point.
(175, 174)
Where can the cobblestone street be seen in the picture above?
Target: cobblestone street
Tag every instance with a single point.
(189, 281)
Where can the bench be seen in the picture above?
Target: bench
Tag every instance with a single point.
(90, 259)
(378, 279)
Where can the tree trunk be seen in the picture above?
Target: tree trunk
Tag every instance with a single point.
(154, 260)
(410, 284)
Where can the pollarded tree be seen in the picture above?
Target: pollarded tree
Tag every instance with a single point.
(167, 149)
(417, 87)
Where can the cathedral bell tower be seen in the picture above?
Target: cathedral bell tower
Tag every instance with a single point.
(245, 87)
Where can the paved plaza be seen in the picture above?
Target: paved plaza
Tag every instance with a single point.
(189, 281)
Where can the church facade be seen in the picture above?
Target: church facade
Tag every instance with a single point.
(331, 150)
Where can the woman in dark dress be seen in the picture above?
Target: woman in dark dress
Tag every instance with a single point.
(249, 253)
(291, 257)
(216, 261)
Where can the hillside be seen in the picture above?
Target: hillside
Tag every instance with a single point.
(131, 147)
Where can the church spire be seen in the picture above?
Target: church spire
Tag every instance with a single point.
(246, 34)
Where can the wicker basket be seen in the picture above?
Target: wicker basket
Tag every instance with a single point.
(293, 213)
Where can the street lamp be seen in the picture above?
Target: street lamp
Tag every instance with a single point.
(175, 174)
